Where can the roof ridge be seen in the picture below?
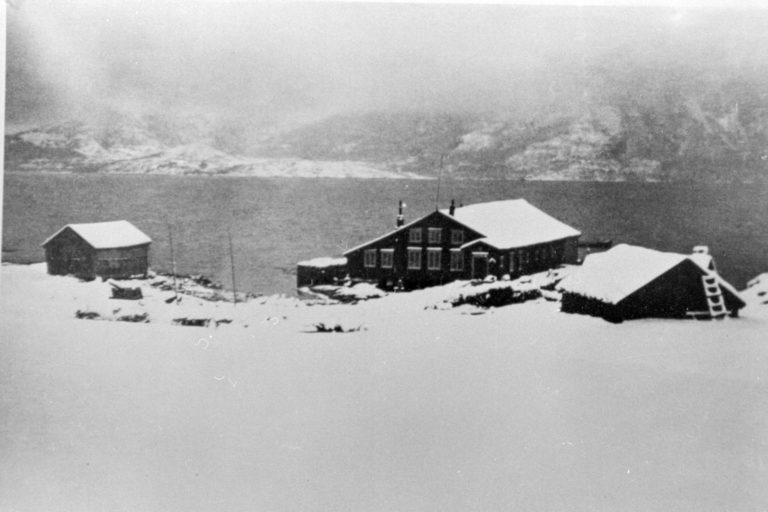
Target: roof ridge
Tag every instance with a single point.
(127, 232)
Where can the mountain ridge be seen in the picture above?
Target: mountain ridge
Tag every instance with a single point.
(664, 130)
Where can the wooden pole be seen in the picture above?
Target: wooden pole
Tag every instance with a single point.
(232, 262)
(173, 260)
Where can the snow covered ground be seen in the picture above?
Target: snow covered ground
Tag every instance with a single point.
(517, 408)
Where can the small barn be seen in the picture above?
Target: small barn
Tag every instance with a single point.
(467, 242)
(628, 282)
(320, 271)
(103, 249)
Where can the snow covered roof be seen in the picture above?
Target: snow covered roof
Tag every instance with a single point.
(107, 235)
(511, 223)
(613, 275)
(323, 262)
(505, 224)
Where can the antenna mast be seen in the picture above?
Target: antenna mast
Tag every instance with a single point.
(439, 177)
(173, 261)
(232, 262)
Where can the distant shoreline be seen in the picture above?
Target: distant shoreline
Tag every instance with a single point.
(412, 177)
(215, 175)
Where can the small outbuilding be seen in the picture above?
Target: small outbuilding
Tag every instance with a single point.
(628, 282)
(320, 271)
(103, 249)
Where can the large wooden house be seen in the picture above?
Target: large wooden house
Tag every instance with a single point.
(105, 249)
(629, 282)
(469, 242)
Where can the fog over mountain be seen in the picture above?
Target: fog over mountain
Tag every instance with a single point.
(643, 88)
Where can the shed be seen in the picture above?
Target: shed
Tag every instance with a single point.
(320, 271)
(628, 282)
(115, 249)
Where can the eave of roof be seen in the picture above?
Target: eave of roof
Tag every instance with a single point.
(382, 237)
(489, 242)
(106, 235)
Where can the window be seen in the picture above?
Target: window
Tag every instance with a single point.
(414, 236)
(457, 260)
(369, 258)
(524, 258)
(434, 257)
(414, 258)
(387, 258)
(512, 257)
(457, 236)
(434, 234)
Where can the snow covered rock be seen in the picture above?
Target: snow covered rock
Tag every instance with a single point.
(756, 292)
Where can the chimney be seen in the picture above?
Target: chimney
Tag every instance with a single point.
(701, 249)
(452, 209)
(400, 217)
(704, 250)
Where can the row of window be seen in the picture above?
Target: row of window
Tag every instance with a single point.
(434, 258)
(517, 259)
(434, 236)
(539, 256)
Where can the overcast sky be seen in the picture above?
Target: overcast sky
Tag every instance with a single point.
(275, 59)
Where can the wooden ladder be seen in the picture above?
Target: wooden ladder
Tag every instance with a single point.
(714, 295)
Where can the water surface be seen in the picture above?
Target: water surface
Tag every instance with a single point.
(277, 222)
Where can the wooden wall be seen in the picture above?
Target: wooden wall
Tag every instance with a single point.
(68, 253)
(122, 262)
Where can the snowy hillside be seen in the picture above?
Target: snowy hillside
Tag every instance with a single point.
(513, 408)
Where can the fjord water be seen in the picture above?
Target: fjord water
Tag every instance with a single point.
(277, 222)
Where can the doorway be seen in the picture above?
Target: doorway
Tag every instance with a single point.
(479, 265)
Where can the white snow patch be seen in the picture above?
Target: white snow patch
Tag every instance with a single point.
(293, 168)
(511, 223)
(475, 141)
(756, 295)
(360, 291)
(44, 139)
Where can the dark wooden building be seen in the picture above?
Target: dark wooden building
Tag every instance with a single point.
(103, 249)
(470, 242)
(629, 282)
